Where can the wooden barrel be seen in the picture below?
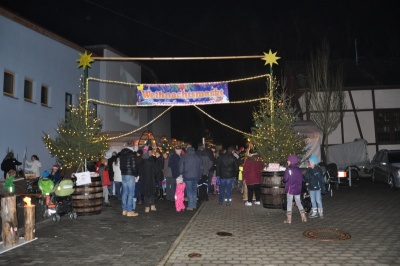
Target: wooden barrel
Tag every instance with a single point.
(272, 189)
(88, 199)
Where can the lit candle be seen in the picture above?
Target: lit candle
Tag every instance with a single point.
(27, 200)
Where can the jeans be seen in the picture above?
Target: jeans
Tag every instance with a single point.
(128, 190)
(191, 190)
(290, 202)
(225, 189)
(111, 189)
(118, 192)
(316, 201)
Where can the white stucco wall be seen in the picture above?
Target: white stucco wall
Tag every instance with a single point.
(45, 60)
(363, 104)
(29, 54)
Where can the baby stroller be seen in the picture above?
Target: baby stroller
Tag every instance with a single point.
(304, 197)
(60, 201)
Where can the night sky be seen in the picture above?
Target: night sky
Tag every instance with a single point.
(293, 28)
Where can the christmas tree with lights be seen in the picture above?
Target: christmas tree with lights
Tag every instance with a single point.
(79, 136)
(273, 135)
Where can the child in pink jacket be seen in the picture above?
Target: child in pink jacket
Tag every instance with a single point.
(180, 194)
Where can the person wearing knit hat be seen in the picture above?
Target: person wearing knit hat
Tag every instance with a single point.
(315, 184)
(55, 174)
(46, 185)
(313, 159)
(293, 179)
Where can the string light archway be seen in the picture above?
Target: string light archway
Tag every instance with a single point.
(86, 59)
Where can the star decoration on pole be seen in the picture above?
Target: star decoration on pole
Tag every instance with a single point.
(140, 87)
(270, 58)
(84, 60)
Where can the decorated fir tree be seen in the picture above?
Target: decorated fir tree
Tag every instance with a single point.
(273, 134)
(79, 137)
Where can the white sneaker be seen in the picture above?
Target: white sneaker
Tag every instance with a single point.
(257, 203)
(248, 203)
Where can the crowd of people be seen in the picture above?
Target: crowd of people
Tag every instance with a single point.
(184, 174)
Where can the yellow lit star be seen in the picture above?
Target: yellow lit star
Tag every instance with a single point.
(85, 60)
(270, 58)
(140, 87)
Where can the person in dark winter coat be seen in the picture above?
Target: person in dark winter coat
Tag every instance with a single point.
(207, 165)
(293, 179)
(315, 183)
(159, 173)
(147, 181)
(9, 163)
(128, 171)
(173, 163)
(55, 174)
(170, 193)
(252, 175)
(227, 170)
(191, 169)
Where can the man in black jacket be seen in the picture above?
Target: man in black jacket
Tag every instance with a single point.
(128, 172)
(227, 170)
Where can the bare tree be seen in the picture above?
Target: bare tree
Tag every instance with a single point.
(325, 96)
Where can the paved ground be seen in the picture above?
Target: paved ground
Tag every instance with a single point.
(369, 212)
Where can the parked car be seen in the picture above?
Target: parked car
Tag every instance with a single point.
(386, 167)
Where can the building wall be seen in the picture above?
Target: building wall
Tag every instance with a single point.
(29, 54)
(29, 51)
(366, 102)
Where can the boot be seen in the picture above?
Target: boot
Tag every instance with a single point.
(321, 213)
(153, 208)
(288, 218)
(161, 195)
(147, 209)
(313, 213)
(303, 216)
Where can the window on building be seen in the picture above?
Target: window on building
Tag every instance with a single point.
(44, 95)
(28, 90)
(387, 125)
(68, 104)
(8, 84)
(93, 108)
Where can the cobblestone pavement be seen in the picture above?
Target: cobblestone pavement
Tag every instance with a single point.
(369, 212)
(104, 239)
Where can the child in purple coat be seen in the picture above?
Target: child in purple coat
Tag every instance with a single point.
(293, 179)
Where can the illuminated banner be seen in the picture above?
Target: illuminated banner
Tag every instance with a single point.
(182, 94)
